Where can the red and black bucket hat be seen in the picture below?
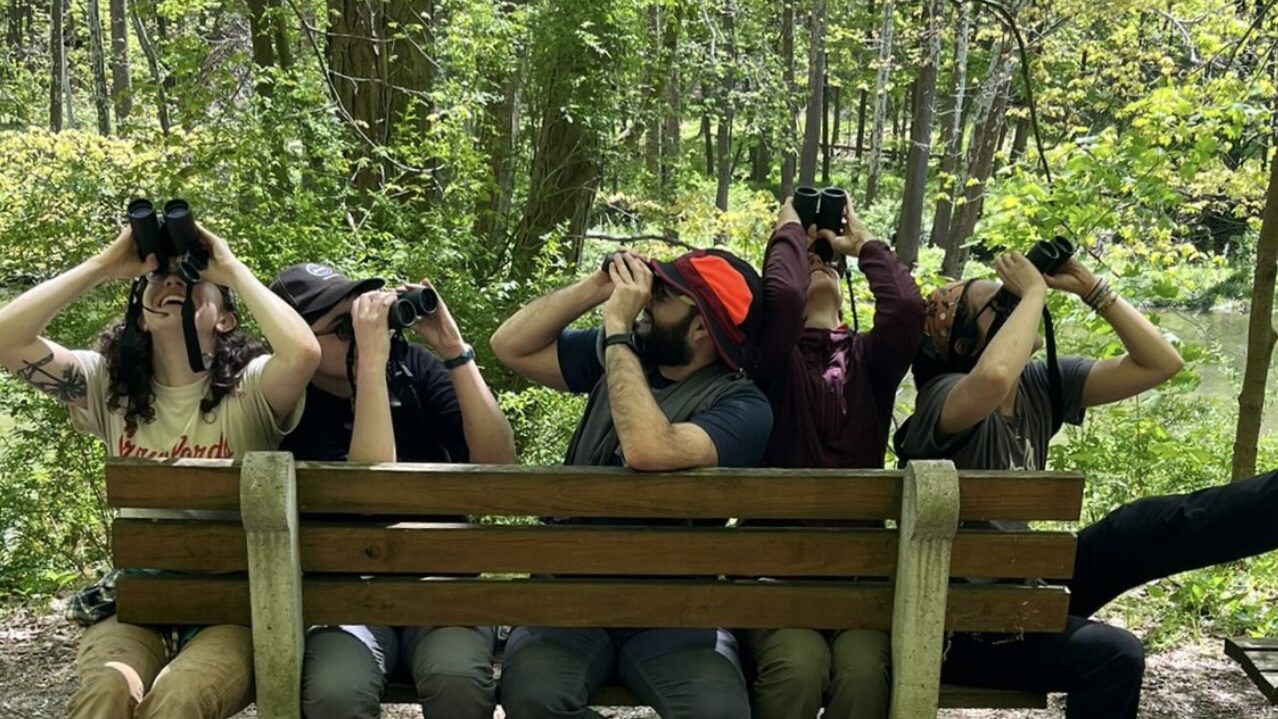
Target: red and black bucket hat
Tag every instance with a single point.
(728, 292)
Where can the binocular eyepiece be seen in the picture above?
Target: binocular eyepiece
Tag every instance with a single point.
(412, 306)
(823, 208)
(1049, 255)
(169, 236)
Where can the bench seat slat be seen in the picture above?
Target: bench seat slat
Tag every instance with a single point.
(372, 548)
(569, 603)
(1259, 659)
(442, 489)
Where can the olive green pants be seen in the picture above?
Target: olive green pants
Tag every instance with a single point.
(797, 671)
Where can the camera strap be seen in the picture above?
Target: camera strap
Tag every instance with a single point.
(129, 339)
(847, 278)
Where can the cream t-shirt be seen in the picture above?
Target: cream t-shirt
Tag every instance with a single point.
(242, 422)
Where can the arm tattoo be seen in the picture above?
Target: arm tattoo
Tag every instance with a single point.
(69, 386)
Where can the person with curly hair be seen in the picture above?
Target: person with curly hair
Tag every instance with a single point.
(144, 400)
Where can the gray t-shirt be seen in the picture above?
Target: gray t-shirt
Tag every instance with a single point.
(998, 441)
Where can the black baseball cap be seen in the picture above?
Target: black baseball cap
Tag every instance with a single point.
(313, 289)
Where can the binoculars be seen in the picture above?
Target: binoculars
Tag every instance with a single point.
(169, 236)
(412, 306)
(1049, 255)
(823, 208)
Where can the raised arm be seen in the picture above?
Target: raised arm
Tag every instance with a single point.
(43, 363)
(649, 441)
(899, 309)
(489, 438)
(981, 391)
(295, 351)
(373, 434)
(785, 294)
(527, 342)
(1150, 359)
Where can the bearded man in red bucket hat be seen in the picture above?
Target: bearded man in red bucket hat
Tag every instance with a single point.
(666, 393)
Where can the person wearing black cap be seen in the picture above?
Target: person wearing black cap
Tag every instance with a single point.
(426, 411)
(146, 401)
(665, 393)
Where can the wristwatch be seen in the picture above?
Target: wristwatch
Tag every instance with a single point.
(629, 339)
(467, 355)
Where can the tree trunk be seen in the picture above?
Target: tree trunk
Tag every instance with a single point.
(68, 96)
(761, 159)
(153, 63)
(865, 99)
(988, 120)
(816, 104)
(837, 92)
(707, 132)
(880, 104)
(787, 58)
(13, 30)
(261, 36)
(1020, 139)
(55, 65)
(673, 100)
(101, 102)
(121, 82)
(825, 130)
(726, 112)
(499, 132)
(911, 229)
(952, 132)
(1260, 337)
(653, 96)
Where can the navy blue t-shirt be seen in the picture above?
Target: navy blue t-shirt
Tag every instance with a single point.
(429, 430)
(739, 426)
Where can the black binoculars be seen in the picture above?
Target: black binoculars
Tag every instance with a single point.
(823, 208)
(412, 306)
(1049, 255)
(169, 236)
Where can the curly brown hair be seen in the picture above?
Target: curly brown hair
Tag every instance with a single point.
(233, 351)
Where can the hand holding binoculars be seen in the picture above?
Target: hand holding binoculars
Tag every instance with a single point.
(169, 236)
(823, 208)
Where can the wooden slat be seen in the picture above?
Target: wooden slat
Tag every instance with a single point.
(575, 603)
(952, 697)
(1259, 659)
(369, 548)
(435, 489)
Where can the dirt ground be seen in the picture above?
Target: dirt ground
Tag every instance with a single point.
(1193, 682)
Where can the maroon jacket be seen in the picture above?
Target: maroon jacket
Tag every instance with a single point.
(832, 391)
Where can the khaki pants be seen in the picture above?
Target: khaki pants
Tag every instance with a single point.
(799, 670)
(126, 672)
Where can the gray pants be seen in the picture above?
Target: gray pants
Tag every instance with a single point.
(346, 668)
(682, 673)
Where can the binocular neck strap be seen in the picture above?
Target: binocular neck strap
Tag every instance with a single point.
(350, 368)
(129, 339)
(1053, 376)
(189, 333)
(847, 278)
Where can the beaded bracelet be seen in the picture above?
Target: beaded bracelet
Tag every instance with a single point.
(1102, 286)
(1105, 302)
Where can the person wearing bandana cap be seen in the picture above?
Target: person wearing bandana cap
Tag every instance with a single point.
(146, 401)
(985, 404)
(665, 393)
(832, 391)
(439, 410)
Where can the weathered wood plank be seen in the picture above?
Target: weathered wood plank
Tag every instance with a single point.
(435, 489)
(1259, 660)
(569, 603)
(403, 548)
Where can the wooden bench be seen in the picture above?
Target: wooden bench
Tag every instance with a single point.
(1259, 659)
(334, 544)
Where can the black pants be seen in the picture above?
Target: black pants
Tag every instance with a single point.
(1100, 666)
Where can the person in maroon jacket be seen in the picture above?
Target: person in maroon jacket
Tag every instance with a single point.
(832, 392)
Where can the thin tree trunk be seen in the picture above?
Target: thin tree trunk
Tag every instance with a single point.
(261, 35)
(911, 229)
(499, 137)
(707, 132)
(673, 100)
(825, 130)
(987, 122)
(101, 102)
(880, 104)
(68, 95)
(816, 104)
(865, 100)
(837, 93)
(791, 92)
(1260, 337)
(654, 95)
(153, 63)
(13, 31)
(952, 132)
(55, 65)
(1020, 139)
(726, 114)
(121, 82)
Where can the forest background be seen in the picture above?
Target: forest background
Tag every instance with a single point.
(502, 147)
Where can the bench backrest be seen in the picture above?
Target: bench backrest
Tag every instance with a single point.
(326, 543)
